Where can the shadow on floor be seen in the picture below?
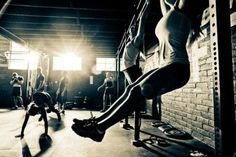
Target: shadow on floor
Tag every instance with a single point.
(25, 149)
(55, 125)
(6, 110)
(45, 142)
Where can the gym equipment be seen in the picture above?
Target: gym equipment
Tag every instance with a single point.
(159, 141)
(166, 127)
(45, 142)
(158, 123)
(178, 134)
(173, 132)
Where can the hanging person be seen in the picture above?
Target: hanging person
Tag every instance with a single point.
(178, 27)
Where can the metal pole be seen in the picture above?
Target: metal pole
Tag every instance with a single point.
(9, 35)
(223, 94)
(3, 9)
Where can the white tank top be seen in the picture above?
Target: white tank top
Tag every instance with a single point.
(172, 31)
(130, 55)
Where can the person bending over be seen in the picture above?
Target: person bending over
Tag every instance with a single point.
(179, 22)
(41, 100)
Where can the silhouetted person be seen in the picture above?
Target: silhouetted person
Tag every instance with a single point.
(61, 94)
(41, 101)
(17, 82)
(108, 86)
(40, 81)
(133, 47)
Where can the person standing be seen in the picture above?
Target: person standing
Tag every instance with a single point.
(17, 82)
(40, 81)
(61, 94)
(108, 84)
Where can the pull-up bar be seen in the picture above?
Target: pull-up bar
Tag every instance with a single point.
(134, 19)
(3, 9)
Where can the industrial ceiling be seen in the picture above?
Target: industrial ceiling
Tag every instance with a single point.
(91, 27)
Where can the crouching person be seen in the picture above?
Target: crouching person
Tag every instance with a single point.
(41, 100)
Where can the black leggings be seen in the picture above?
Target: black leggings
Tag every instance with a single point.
(149, 85)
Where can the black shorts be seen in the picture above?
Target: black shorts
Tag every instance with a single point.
(109, 90)
(16, 91)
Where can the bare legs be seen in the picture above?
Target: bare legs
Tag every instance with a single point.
(107, 98)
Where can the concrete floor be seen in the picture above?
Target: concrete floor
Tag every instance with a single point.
(65, 143)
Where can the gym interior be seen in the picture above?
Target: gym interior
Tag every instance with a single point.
(86, 39)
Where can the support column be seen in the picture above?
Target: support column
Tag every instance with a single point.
(223, 94)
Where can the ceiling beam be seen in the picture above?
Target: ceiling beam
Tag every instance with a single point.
(71, 8)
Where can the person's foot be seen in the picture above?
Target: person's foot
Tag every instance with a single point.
(40, 118)
(84, 121)
(25, 107)
(89, 130)
(58, 116)
(63, 111)
(20, 106)
(14, 108)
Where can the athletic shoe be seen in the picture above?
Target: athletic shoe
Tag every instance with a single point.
(14, 108)
(40, 118)
(89, 130)
(84, 121)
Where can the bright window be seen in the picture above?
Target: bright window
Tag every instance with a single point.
(67, 62)
(105, 64)
(20, 57)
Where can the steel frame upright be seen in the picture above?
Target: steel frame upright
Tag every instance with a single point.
(223, 93)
